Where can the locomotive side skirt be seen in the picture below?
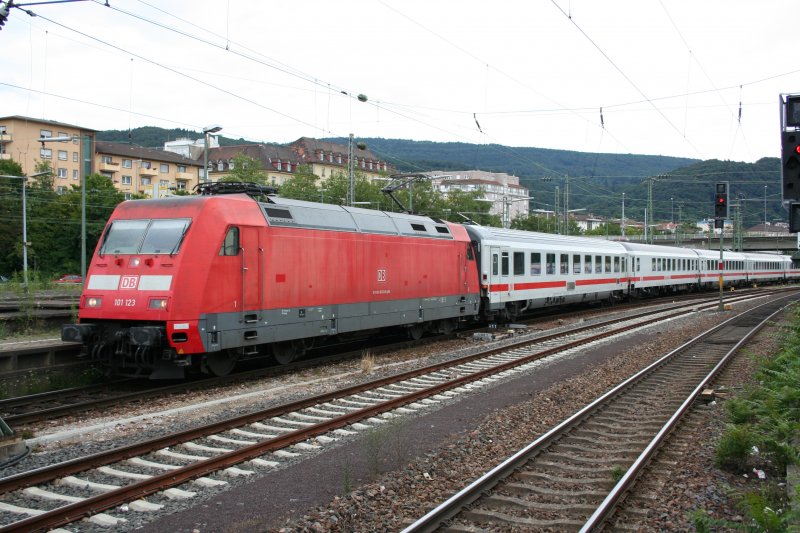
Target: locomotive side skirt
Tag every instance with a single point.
(226, 330)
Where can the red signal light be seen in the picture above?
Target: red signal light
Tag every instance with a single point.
(797, 148)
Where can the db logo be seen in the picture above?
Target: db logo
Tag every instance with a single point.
(129, 282)
(381, 275)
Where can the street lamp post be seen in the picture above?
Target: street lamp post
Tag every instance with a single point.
(208, 129)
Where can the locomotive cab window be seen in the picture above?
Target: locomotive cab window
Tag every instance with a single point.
(230, 246)
(162, 236)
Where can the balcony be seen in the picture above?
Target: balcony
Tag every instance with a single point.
(5, 156)
(185, 176)
(5, 138)
(148, 171)
(109, 167)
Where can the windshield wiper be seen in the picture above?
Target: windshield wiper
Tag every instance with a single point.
(178, 244)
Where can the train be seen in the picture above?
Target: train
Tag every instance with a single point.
(195, 284)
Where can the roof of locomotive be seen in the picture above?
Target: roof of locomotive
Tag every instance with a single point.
(298, 213)
(549, 240)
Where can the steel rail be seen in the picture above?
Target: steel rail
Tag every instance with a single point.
(447, 510)
(634, 472)
(69, 513)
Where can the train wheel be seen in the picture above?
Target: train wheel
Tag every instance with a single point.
(415, 332)
(284, 352)
(221, 363)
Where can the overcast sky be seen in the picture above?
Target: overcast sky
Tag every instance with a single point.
(669, 75)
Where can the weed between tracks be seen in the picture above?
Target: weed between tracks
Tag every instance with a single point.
(761, 440)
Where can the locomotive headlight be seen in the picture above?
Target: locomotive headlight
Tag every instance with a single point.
(94, 302)
(134, 262)
(157, 303)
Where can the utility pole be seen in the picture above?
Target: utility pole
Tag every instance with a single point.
(556, 211)
(622, 226)
(566, 204)
(648, 218)
(351, 188)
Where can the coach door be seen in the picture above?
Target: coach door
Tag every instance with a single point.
(252, 267)
(499, 282)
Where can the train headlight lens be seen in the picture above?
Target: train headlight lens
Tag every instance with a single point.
(158, 303)
(135, 262)
(94, 302)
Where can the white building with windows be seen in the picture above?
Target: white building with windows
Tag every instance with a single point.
(509, 199)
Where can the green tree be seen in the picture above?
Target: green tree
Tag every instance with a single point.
(247, 169)
(60, 251)
(302, 185)
(11, 216)
(469, 204)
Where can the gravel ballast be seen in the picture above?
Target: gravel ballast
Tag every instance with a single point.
(383, 479)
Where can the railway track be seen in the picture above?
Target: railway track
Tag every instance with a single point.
(566, 480)
(50, 405)
(155, 469)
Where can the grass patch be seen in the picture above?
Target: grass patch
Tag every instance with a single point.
(763, 427)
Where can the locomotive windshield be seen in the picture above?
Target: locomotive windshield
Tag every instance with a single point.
(145, 236)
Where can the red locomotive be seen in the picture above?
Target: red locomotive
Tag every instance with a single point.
(204, 281)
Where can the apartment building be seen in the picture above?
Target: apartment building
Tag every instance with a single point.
(326, 158)
(136, 170)
(509, 199)
(277, 162)
(20, 140)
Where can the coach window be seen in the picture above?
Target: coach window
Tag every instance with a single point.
(608, 264)
(598, 264)
(576, 264)
(551, 263)
(519, 263)
(587, 264)
(638, 264)
(230, 246)
(616, 264)
(565, 263)
(504, 264)
(536, 263)
(495, 263)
